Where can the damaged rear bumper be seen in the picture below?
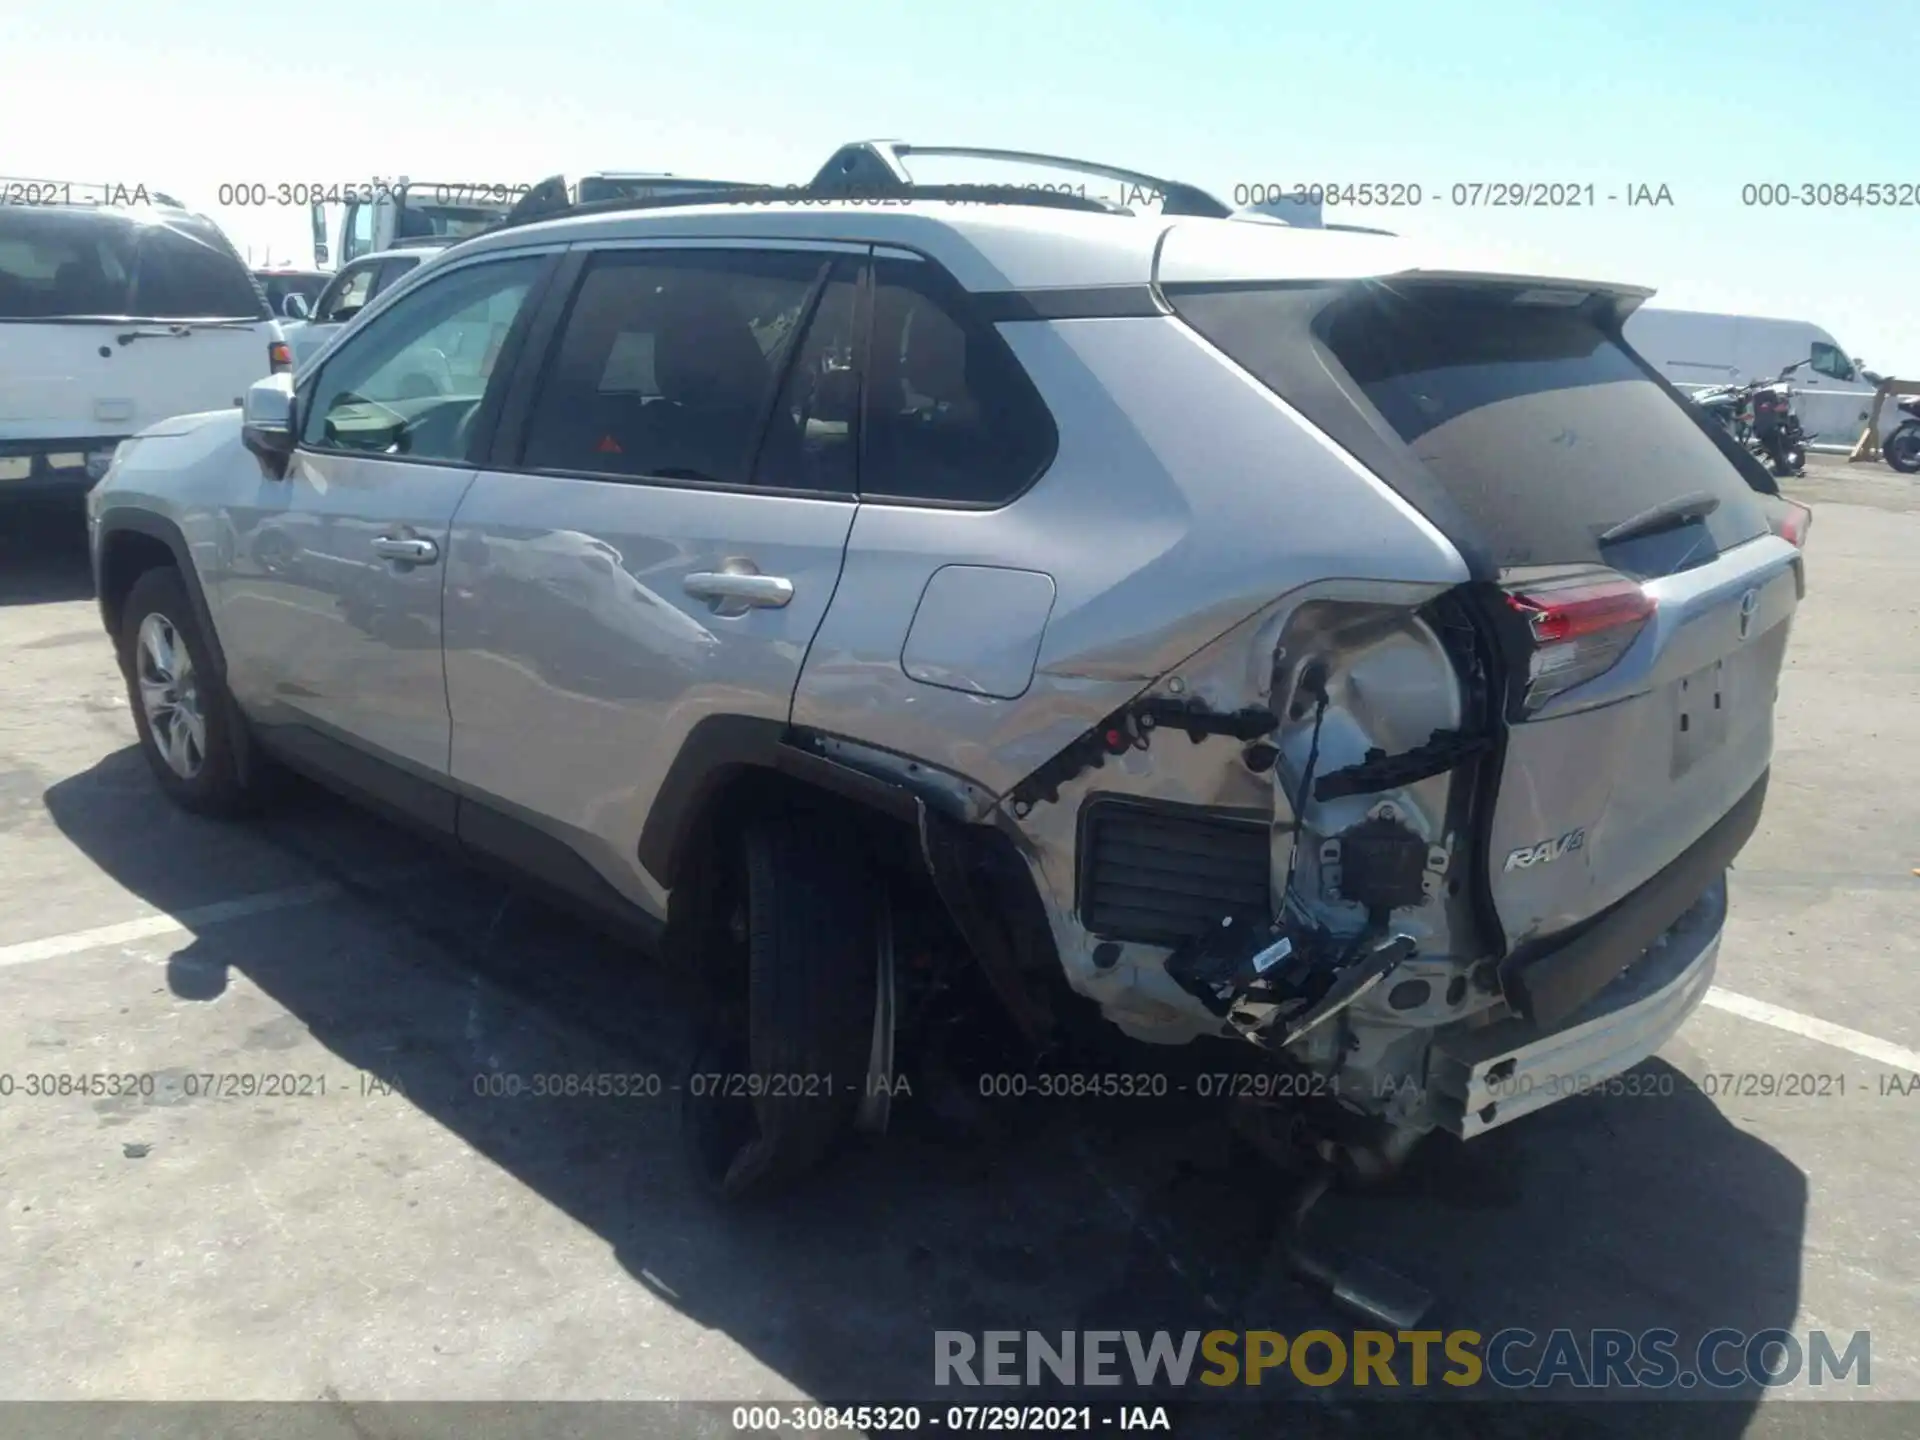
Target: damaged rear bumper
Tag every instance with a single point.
(1483, 1077)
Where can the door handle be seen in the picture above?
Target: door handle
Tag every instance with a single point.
(741, 588)
(409, 550)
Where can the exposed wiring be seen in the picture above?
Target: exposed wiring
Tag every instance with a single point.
(1313, 678)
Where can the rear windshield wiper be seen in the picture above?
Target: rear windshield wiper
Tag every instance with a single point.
(179, 329)
(1667, 515)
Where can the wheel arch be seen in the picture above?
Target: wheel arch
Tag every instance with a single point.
(733, 767)
(132, 542)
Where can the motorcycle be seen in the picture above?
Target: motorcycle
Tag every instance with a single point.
(1759, 416)
(1902, 447)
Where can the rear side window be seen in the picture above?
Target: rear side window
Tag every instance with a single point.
(185, 273)
(1542, 431)
(671, 366)
(951, 416)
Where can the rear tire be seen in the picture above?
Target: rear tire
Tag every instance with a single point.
(1902, 450)
(777, 1077)
(190, 731)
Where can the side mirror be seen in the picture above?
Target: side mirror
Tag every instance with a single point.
(295, 306)
(267, 423)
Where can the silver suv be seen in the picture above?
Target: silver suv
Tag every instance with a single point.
(1257, 632)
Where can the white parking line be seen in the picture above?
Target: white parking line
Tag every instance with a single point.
(146, 928)
(1866, 1046)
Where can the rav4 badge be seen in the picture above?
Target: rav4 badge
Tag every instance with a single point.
(1546, 852)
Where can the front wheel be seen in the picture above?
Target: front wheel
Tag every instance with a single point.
(1902, 450)
(189, 730)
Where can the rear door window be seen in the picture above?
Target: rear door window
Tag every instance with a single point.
(1540, 428)
(671, 366)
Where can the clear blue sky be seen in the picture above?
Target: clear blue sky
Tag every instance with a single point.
(1701, 97)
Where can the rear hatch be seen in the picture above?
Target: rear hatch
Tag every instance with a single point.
(113, 319)
(1636, 597)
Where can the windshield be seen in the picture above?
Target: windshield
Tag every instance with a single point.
(69, 264)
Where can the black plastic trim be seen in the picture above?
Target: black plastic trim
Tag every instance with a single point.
(1087, 302)
(889, 797)
(382, 783)
(155, 527)
(716, 748)
(531, 361)
(1548, 988)
(1252, 828)
(491, 832)
(483, 832)
(493, 400)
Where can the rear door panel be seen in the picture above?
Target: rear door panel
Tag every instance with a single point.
(583, 648)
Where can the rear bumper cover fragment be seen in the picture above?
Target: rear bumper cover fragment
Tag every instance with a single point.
(1485, 1077)
(1548, 988)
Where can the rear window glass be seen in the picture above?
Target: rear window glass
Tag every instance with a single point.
(55, 264)
(64, 264)
(185, 274)
(1540, 428)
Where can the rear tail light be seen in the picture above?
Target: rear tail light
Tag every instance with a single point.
(279, 358)
(1579, 628)
(1791, 521)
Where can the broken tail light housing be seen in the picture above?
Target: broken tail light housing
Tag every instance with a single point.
(1579, 629)
(279, 358)
(1790, 521)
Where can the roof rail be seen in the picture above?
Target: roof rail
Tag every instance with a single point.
(530, 209)
(18, 190)
(556, 195)
(876, 166)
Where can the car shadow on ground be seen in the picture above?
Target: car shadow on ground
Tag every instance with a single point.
(1629, 1213)
(43, 550)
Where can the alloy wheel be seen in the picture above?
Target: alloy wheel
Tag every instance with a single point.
(170, 696)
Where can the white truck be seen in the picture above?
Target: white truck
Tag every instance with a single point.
(1694, 349)
(380, 215)
(118, 309)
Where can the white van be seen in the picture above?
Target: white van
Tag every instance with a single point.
(112, 318)
(1695, 348)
